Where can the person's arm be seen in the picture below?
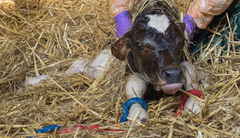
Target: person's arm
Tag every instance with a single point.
(202, 12)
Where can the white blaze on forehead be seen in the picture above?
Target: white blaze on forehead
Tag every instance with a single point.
(160, 22)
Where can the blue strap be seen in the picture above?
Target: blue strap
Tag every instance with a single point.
(129, 103)
(48, 129)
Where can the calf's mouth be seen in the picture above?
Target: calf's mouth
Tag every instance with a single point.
(171, 88)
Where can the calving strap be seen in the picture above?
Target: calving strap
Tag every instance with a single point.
(127, 105)
(184, 97)
(51, 128)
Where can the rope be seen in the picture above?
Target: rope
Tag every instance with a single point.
(129, 103)
(184, 98)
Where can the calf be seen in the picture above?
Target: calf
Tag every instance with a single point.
(153, 48)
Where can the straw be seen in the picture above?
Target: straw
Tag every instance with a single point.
(46, 36)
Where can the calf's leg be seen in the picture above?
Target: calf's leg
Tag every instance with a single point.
(191, 105)
(190, 73)
(136, 87)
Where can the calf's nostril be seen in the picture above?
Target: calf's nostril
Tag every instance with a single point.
(171, 72)
(181, 73)
(164, 73)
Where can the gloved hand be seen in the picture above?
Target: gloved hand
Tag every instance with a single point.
(203, 11)
(190, 26)
(123, 23)
(120, 11)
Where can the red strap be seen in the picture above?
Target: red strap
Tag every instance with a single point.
(93, 127)
(197, 93)
(184, 97)
(97, 126)
(69, 130)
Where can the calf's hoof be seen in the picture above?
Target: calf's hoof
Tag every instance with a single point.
(133, 112)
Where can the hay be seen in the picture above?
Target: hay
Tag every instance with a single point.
(47, 36)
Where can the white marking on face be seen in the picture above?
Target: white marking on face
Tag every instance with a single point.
(160, 22)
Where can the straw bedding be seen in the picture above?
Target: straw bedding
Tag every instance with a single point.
(47, 36)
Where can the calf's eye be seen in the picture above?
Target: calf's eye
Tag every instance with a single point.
(138, 46)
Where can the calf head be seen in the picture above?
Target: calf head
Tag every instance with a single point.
(156, 42)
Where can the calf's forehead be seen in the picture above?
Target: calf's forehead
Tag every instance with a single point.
(158, 33)
(158, 22)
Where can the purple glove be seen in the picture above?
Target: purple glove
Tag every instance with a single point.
(123, 23)
(190, 26)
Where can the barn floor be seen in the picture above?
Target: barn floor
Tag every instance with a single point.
(46, 36)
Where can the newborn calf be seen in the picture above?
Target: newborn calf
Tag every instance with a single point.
(153, 48)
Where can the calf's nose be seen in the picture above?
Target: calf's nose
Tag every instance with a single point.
(171, 75)
(169, 72)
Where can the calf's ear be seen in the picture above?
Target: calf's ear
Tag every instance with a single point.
(120, 48)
